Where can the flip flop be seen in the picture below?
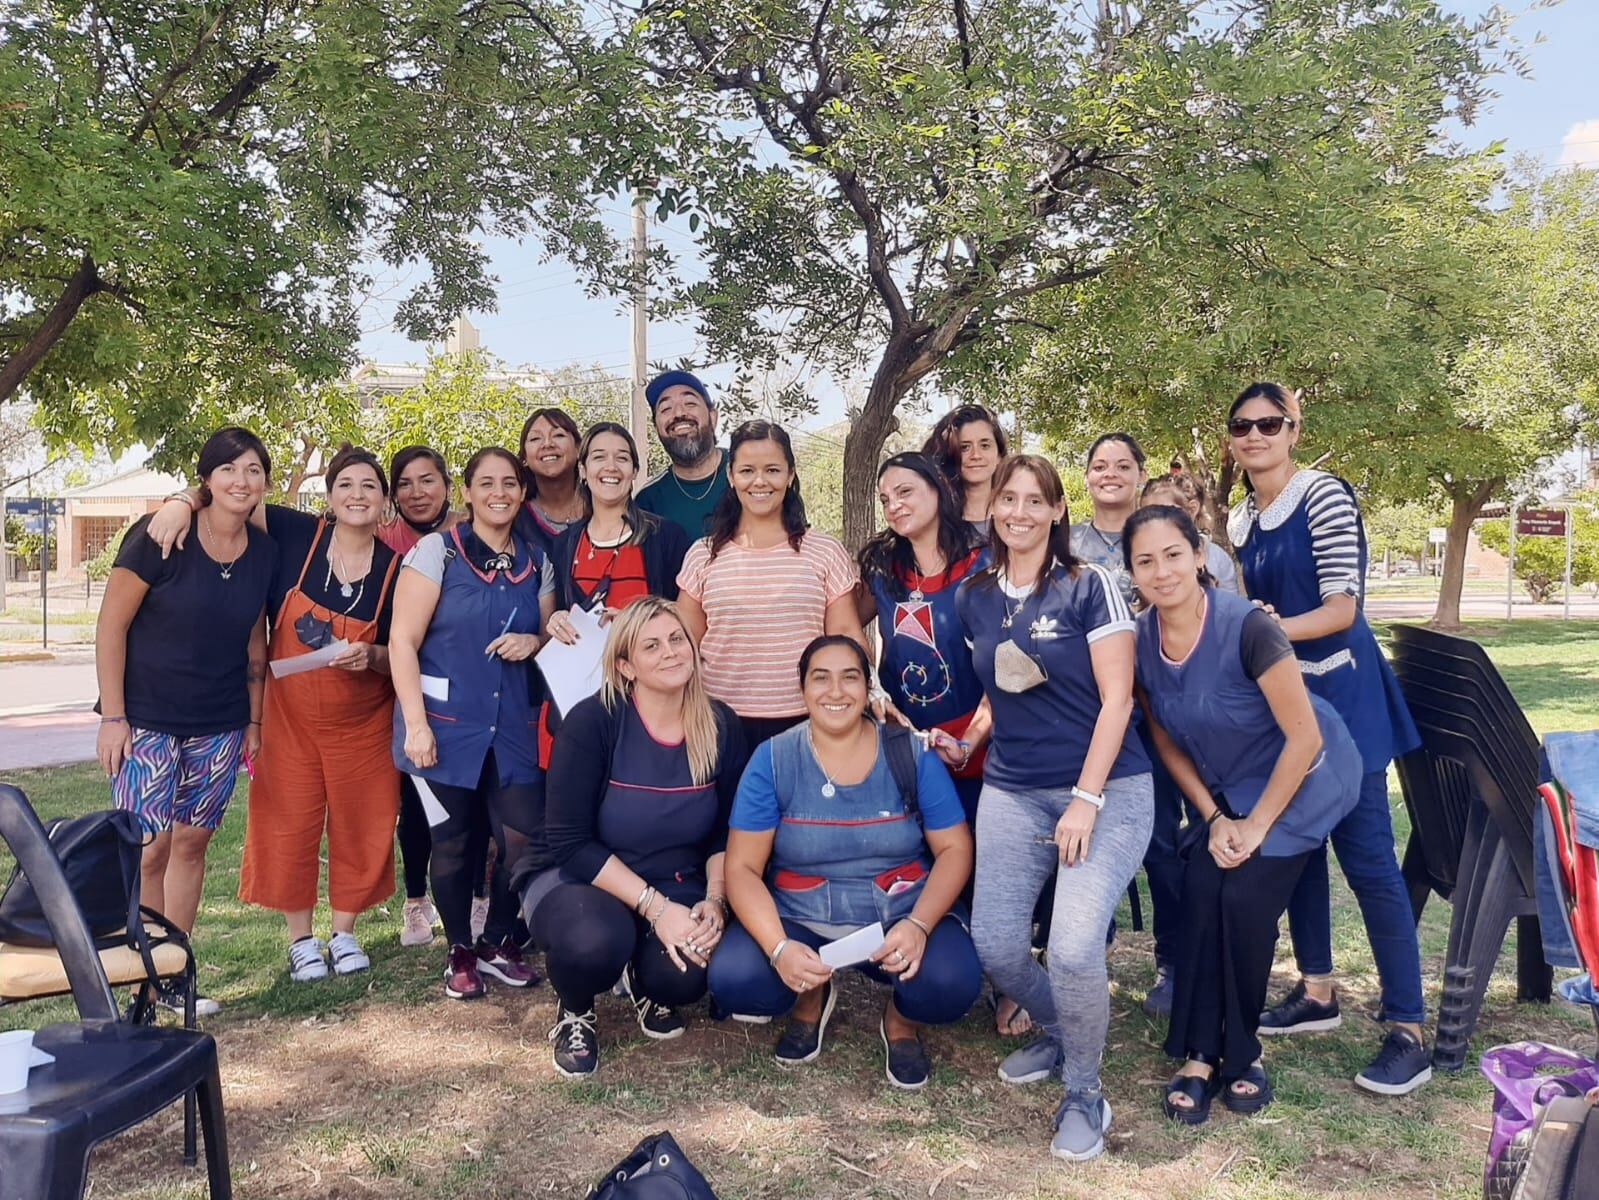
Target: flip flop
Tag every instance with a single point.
(1018, 1024)
(1200, 1091)
(1251, 1103)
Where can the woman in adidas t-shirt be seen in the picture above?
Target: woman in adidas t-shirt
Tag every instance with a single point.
(761, 585)
(1066, 790)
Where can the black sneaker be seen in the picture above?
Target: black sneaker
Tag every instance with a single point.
(905, 1061)
(1158, 1002)
(577, 1044)
(802, 1040)
(1401, 1066)
(1298, 1013)
(656, 1020)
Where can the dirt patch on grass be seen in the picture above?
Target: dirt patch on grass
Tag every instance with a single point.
(443, 1099)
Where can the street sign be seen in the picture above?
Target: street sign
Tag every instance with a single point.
(35, 506)
(1541, 522)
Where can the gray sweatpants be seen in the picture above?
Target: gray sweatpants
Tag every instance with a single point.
(1071, 1001)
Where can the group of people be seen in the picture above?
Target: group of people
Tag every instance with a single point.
(1041, 708)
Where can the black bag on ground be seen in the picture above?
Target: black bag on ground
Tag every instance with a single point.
(656, 1170)
(99, 855)
(1563, 1162)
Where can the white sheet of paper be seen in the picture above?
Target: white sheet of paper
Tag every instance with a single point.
(436, 687)
(573, 672)
(308, 662)
(853, 948)
(431, 808)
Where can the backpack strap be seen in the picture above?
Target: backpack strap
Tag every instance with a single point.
(901, 754)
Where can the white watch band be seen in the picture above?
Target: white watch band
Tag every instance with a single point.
(1088, 797)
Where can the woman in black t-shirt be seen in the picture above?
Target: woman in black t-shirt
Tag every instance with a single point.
(640, 786)
(180, 652)
(329, 766)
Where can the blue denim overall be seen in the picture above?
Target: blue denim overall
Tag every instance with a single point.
(846, 860)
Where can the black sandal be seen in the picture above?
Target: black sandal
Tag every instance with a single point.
(1250, 1103)
(1200, 1091)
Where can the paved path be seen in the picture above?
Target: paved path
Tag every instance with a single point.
(46, 716)
(1482, 608)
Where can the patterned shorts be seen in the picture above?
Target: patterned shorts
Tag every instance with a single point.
(169, 780)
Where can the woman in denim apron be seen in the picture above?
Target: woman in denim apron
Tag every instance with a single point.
(829, 836)
(1302, 550)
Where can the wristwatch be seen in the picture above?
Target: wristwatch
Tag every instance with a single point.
(1088, 797)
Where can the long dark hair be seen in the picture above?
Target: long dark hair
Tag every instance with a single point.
(639, 522)
(725, 518)
(561, 419)
(1059, 548)
(402, 459)
(891, 557)
(1185, 526)
(943, 445)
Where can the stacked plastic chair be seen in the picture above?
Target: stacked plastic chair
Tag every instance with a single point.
(1472, 793)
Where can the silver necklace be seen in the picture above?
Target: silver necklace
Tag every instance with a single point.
(916, 568)
(227, 570)
(828, 790)
(710, 483)
(345, 589)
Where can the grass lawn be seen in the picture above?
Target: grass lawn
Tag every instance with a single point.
(378, 1086)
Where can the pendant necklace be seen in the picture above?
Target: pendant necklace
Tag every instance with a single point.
(346, 590)
(227, 570)
(916, 596)
(828, 790)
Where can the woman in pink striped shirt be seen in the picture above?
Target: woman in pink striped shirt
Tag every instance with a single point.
(761, 585)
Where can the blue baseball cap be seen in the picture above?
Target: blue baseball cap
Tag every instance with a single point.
(671, 379)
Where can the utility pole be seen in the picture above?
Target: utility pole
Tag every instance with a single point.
(640, 416)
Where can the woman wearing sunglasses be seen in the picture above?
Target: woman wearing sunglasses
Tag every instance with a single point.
(326, 765)
(1302, 550)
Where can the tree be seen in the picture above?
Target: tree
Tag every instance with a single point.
(889, 183)
(194, 191)
(1403, 529)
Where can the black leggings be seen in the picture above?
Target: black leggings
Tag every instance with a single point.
(513, 815)
(1223, 960)
(588, 936)
(416, 845)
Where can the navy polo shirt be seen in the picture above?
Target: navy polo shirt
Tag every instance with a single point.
(1041, 736)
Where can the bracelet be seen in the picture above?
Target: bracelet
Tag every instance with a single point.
(926, 932)
(113, 720)
(1214, 817)
(252, 722)
(660, 912)
(1088, 797)
(185, 497)
(776, 950)
(638, 905)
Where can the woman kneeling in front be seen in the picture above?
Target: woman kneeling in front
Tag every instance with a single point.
(641, 781)
(1269, 767)
(838, 825)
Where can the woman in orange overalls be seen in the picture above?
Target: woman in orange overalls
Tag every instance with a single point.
(330, 768)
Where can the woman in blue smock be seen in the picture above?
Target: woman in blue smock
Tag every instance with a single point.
(838, 825)
(1302, 550)
(465, 629)
(1271, 771)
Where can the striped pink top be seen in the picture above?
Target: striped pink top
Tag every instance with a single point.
(762, 607)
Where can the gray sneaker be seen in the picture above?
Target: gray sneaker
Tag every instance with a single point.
(1081, 1123)
(1040, 1059)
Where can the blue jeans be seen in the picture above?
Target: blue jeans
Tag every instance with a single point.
(942, 992)
(1364, 841)
(1162, 867)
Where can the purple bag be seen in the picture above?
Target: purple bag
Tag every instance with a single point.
(1521, 1074)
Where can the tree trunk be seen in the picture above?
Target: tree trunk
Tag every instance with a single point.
(15, 370)
(1466, 500)
(864, 444)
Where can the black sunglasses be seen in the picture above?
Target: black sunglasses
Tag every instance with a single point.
(1270, 426)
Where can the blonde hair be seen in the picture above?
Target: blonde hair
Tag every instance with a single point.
(700, 735)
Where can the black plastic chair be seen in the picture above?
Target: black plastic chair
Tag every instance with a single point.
(1471, 791)
(108, 1074)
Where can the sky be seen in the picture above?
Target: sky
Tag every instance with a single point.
(545, 319)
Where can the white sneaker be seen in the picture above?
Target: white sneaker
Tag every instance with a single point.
(172, 1001)
(480, 917)
(418, 918)
(346, 954)
(306, 963)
